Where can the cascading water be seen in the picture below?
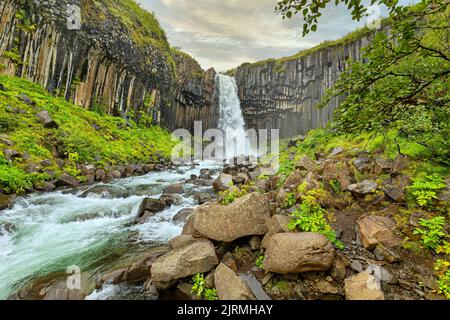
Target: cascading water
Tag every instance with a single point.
(53, 231)
(231, 120)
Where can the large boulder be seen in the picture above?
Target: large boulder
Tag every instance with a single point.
(174, 189)
(188, 260)
(230, 286)
(223, 182)
(244, 217)
(375, 230)
(298, 252)
(148, 208)
(66, 180)
(363, 286)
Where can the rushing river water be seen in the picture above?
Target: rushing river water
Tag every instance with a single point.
(56, 230)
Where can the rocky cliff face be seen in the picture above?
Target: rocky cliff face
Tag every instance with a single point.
(283, 94)
(119, 62)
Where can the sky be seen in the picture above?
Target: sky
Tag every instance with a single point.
(226, 33)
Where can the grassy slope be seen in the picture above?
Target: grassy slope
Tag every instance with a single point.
(113, 142)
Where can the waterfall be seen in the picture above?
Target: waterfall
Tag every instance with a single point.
(231, 120)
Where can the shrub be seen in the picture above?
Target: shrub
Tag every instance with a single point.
(290, 201)
(259, 261)
(433, 232)
(311, 217)
(425, 189)
(442, 268)
(200, 289)
(233, 193)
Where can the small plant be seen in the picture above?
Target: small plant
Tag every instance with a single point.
(290, 201)
(432, 233)
(311, 217)
(425, 189)
(442, 268)
(335, 185)
(233, 193)
(259, 261)
(200, 289)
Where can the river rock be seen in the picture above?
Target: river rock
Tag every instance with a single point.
(188, 260)
(183, 215)
(46, 120)
(374, 230)
(230, 286)
(363, 286)
(171, 199)
(202, 198)
(298, 252)
(148, 208)
(6, 228)
(66, 180)
(363, 188)
(106, 191)
(223, 182)
(244, 217)
(44, 186)
(174, 189)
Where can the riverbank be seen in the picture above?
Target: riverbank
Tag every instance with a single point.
(46, 142)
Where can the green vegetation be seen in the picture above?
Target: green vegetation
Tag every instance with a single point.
(233, 193)
(290, 200)
(82, 137)
(311, 217)
(425, 189)
(200, 289)
(433, 233)
(442, 268)
(259, 261)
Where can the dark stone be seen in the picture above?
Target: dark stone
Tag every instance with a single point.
(66, 180)
(202, 198)
(46, 120)
(149, 207)
(174, 189)
(25, 99)
(46, 163)
(170, 199)
(11, 154)
(182, 216)
(100, 174)
(2, 87)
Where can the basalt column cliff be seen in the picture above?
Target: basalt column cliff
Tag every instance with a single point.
(283, 94)
(118, 62)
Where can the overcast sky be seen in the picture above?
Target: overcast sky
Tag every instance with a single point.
(226, 33)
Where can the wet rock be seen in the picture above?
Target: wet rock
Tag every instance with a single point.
(230, 286)
(148, 208)
(244, 217)
(66, 180)
(174, 189)
(44, 186)
(148, 167)
(298, 252)
(202, 198)
(307, 164)
(197, 257)
(114, 175)
(106, 191)
(374, 230)
(5, 201)
(2, 87)
(100, 174)
(11, 154)
(363, 286)
(363, 188)
(46, 120)
(223, 182)
(183, 215)
(171, 199)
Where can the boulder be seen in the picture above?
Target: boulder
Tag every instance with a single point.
(276, 224)
(363, 188)
(400, 164)
(188, 260)
(181, 240)
(363, 286)
(174, 189)
(183, 215)
(100, 174)
(383, 165)
(106, 191)
(66, 180)
(11, 154)
(44, 186)
(240, 178)
(202, 198)
(244, 217)
(223, 182)
(307, 164)
(46, 120)
(148, 208)
(171, 199)
(336, 171)
(298, 252)
(293, 181)
(374, 230)
(230, 286)
(363, 164)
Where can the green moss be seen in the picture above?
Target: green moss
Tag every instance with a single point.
(94, 138)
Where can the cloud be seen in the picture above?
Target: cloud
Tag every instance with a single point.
(224, 34)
